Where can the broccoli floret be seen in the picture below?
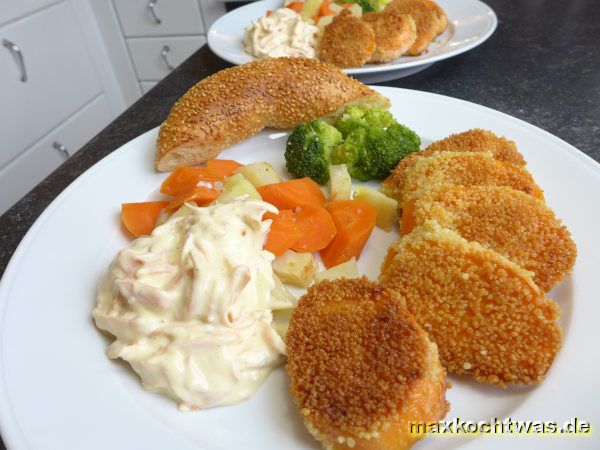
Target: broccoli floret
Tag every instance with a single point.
(364, 4)
(352, 152)
(308, 149)
(354, 117)
(379, 118)
(378, 5)
(385, 148)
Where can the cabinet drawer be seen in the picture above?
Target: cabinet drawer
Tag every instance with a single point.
(60, 77)
(147, 54)
(37, 162)
(175, 16)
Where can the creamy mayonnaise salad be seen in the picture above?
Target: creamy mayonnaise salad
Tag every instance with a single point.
(283, 33)
(191, 305)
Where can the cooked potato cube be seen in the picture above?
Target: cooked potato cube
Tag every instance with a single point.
(235, 186)
(281, 297)
(259, 174)
(297, 269)
(386, 207)
(340, 182)
(348, 269)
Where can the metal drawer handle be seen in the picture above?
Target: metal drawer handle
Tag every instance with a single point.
(151, 7)
(165, 50)
(62, 149)
(16, 52)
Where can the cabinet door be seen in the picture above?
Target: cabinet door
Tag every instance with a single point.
(148, 59)
(60, 77)
(13, 9)
(37, 162)
(170, 17)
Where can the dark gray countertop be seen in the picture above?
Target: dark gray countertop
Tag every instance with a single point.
(542, 65)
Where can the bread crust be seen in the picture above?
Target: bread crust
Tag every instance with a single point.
(236, 103)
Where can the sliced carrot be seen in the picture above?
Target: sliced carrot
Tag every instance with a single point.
(283, 232)
(408, 218)
(354, 220)
(222, 167)
(296, 6)
(325, 9)
(269, 12)
(201, 195)
(139, 218)
(315, 18)
(184, 179)
(293, 193)
(316, 226)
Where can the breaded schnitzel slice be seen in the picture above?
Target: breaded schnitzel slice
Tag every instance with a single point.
(509, 222)
(441, 16)
(394, 33)
(484, 312)
(361, 368)
(475, 140)
(347, 41)
(447, 169)
(426, 18)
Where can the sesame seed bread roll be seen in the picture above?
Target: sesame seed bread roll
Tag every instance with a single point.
(237, 103)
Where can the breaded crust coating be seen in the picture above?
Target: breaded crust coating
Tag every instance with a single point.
(442, 21)
(425, 14)
(394, 33)
(485, 313)
(475, 140)
(447, 169)
(509, 222)
(361, 368)
(347, 41)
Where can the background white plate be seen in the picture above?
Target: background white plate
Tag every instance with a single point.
(58, 390)
(470, 23)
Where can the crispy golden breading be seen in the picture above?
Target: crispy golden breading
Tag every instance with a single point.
(442, 20)
(485, 313)
(394, 33)
(475, 140)
(509, 222)
(347, 41)
(426, 16)
(447, 169)
(361, 368)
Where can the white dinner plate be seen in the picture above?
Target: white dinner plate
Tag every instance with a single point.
(58, 390)
(470, 23)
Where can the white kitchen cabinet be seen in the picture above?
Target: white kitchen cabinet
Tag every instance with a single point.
(155, 57)
(34, 164)
(57, 86)
(159, 17)
(14, 9)
(147, 85)
(60, 77)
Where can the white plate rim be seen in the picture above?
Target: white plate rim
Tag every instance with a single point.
(9, 428)
(256, 9)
